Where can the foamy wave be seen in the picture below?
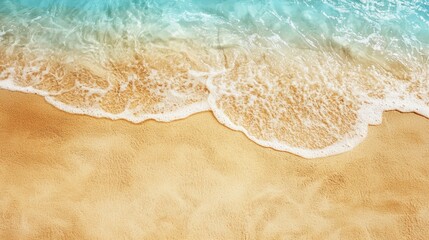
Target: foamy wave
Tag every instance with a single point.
(304, 78)
(311, 103)
(149, 84)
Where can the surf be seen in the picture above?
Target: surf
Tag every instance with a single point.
(303, 77)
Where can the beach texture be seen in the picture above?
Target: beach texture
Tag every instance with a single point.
(65, 176)
(271, 109)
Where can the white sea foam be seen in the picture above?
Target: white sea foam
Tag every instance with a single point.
(370, 114)
(183, 112)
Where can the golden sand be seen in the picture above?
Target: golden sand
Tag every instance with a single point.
(65, 176)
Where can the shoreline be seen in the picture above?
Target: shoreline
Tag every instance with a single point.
(76, 176)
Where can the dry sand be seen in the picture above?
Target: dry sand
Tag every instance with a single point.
(66, 176)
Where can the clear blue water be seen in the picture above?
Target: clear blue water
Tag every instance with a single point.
(383, 26)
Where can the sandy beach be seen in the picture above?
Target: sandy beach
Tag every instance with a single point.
(65, 176)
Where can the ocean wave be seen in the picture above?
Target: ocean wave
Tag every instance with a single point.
(304, 77)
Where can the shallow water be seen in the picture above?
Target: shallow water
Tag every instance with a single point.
(300, 76)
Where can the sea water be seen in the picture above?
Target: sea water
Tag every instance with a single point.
(304, 76)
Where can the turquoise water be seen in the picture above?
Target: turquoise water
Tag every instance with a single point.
(301, 76)
(382, 26)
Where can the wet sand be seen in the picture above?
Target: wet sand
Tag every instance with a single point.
(65, 176)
